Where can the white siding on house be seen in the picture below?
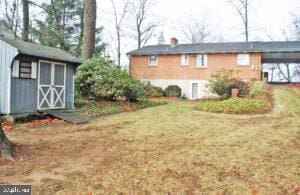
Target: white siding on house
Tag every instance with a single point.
(7, 54)
(185, 85)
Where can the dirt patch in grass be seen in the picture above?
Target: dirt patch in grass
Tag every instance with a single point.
(164, 149)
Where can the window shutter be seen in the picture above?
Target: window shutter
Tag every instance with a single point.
(205, 60)
(15, 68)
(33, 70)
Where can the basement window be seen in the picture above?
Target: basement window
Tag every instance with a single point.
(152, 60)
(25, 69)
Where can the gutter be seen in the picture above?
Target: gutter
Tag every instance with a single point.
(210, 52)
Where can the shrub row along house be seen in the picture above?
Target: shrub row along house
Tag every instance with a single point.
(189, 66)
(34, 77)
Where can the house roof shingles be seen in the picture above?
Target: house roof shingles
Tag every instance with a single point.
(226, 47)
(34, 49)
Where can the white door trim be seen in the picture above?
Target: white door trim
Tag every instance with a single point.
(198, 83)
(52, 88)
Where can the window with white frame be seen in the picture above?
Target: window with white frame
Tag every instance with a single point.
(243, 59)
(25, 69)
(201, 61)
(184, 59)
(152, 60)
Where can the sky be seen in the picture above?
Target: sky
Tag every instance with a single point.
(267, 20)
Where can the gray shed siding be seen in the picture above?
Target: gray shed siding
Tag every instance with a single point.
(7, 54)
(24, 91)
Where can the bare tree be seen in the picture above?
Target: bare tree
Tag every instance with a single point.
(242, 8)
(11, 16)
(198, 30)
(284, 76)
(296, 74)
(287, 72)
(143, 27)
(296, 24)
(118, 22)
(89, 31)
(25, 33)
(271, 69)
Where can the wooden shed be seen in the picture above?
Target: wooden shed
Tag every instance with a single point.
(34, 77)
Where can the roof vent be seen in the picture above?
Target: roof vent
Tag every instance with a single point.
(174, 42)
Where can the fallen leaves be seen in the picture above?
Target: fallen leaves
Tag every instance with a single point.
(45, 121)
(7, 126)
(297, 189)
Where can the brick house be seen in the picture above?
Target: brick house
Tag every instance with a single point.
(190, 65)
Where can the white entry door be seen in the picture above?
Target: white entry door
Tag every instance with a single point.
(195, 90)
(51, 85)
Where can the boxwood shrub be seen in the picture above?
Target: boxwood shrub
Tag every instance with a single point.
(173, 91)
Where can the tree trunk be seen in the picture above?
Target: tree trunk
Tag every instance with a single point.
(5, 145)
(272, 75)
(89, 28)
(119, 49)
(288, 72)
(25, 33)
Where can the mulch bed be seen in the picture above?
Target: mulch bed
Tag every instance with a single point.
(32, 122)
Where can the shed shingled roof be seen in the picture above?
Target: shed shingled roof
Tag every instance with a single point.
(225, 47)
(34, 49)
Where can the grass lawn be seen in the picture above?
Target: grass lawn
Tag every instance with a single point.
(168, 148)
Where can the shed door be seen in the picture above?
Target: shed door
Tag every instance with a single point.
(51, 86)
(59, 85)
(195, 88)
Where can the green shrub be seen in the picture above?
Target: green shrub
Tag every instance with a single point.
(173, 91)
(153, 91)
(88, 74)
(80, 102)
(97, 78)
(223, 81)
(235, 106)
(118, 84)
(257, 89)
